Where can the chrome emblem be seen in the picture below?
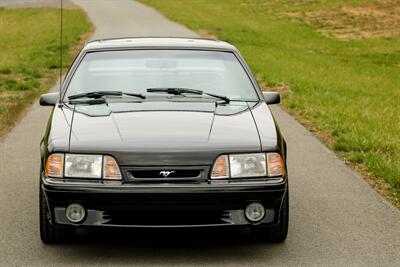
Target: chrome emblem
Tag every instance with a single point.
(166, 173)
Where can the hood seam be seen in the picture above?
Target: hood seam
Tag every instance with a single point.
(70, 129)
(211, 126)
(116, 126)
(255, 124)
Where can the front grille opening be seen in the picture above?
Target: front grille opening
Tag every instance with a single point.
(159, 217)
(164, 174)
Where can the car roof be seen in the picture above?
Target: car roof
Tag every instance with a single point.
(158, 42)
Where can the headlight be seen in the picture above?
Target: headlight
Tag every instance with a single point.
(248, 165)
(82, 166)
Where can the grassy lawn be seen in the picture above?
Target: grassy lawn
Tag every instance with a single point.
(30, 57)
(337, 64)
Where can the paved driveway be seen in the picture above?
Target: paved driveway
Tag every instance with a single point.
(34, 3)
(336, 218)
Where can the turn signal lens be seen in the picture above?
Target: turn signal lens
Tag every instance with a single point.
(55, 165)
(221, 168)
(275, 164)
(111, 169)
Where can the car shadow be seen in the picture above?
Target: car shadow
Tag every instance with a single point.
(159, 246)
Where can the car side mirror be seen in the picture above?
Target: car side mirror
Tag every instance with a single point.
(49, 99)
(272, 98)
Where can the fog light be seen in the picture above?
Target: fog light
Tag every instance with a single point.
(254, 212)
(75, 213)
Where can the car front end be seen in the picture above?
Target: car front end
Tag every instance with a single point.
(160, 196)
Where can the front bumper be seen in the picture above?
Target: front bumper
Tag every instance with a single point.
(164, 205)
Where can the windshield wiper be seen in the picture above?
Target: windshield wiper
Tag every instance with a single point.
(96, 101)
(100, 94)
(179, 91)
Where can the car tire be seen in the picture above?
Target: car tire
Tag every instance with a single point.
(50, 234)
(276, 233)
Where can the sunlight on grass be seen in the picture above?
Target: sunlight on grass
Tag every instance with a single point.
(29, 54)
(348, 91)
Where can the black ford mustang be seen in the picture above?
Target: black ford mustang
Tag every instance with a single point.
(162, 132)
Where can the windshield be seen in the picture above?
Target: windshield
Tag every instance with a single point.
(134, 71)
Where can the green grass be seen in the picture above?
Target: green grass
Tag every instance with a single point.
(348, 92)
(30, 54)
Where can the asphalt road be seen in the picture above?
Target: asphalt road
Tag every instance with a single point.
(336, 218)
(34, 3)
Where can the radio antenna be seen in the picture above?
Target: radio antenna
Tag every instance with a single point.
(61, 44)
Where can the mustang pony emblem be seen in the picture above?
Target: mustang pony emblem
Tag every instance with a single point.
(166, 173)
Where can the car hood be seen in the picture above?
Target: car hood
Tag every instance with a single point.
(167, 133)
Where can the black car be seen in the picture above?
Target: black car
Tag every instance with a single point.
(162, 132)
